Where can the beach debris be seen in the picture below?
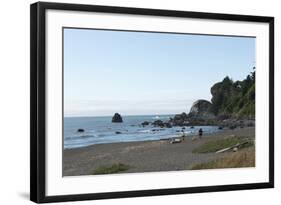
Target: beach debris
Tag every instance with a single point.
(175, 140)
(223, 150)
(191, 127)
(117, 118)
(220, 127)
(235, 149)
(80, 130)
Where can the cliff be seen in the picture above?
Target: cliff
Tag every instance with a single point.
(234, 99)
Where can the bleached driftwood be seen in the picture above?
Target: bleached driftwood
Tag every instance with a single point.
(175, 140)
(224, 150)
(231, 147)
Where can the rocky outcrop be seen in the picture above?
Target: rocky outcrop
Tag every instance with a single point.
(117, 118)
(201, 109)
(160, 123)
(180, 120)
(232, 123)
(145, 123)
(200, 114)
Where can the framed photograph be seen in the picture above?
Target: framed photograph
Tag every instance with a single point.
(129, 102)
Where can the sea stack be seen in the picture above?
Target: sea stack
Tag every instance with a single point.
(201, 109)
(117, 118)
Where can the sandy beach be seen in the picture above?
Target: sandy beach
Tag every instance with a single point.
(145, 156)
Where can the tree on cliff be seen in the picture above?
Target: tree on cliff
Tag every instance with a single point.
(235, 99)
(220, 92)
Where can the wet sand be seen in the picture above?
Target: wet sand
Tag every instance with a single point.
(145, 156)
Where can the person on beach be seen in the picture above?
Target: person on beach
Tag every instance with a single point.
(200, 133)
(183, 135)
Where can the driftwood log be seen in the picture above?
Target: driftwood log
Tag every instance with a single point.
(175, 140)
(231, 147)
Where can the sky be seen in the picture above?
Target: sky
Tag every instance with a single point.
(144, 73)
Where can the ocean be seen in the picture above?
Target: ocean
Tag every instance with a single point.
(100, 130)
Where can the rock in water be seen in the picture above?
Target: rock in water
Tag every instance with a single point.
(117, 118)
(158, 123)
(145, 123)
(80, 130)
(201, 109)
(180, 120)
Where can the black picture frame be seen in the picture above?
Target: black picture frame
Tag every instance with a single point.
(38, 101)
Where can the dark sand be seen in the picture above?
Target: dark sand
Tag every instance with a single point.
(144, 156)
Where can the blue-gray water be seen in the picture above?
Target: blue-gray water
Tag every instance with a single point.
(100, 130)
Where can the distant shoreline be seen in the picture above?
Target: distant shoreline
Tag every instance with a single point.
(122, 115)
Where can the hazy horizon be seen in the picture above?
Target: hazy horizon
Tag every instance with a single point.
(121, 115)
(141, 73)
